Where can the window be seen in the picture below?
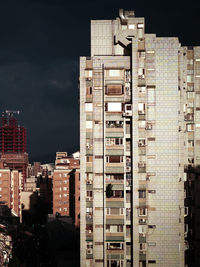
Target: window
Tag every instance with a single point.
(151, 244)
(89, 125)
(88, 90)
(65, 209)
(65, 195)
(143, 246)
(140, 25)
(89, 159)
(89, 193)
(141, 142)
(65, 181)
(114, 141)
(114, 177)
(131, 26)
(190, 127)
(151, 261)
(88, 107)
(119, 245)
(88, 73)
(114, 228)
(114, 124)
(142, 211)
(114, 73)
(114, 159)
(142, 89)
(114, 211)
(65, 188)
(152, 226)
(141, 108)
(115, 89)
(141, 124)
(118, 193)
(152, 191)
(114, 106)
(142, 193)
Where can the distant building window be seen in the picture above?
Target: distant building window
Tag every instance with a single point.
(64, 195)
(65, 188)
(65, 181)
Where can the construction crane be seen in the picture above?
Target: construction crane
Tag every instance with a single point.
(10, 113)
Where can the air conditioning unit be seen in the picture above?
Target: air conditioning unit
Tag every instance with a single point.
(141, 76)
(148, 126)
(142, 220)
(128, 110)
(128, 168)
(89, 251)
(127, 90)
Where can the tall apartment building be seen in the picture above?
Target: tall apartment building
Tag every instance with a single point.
(139, 135)
(66, 186)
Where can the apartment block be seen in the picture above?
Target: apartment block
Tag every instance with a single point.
(66, 187)
(10, 190)
(139, 135)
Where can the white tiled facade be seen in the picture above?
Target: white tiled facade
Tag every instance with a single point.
(136, 138)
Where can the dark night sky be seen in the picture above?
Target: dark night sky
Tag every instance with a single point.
(40, 45)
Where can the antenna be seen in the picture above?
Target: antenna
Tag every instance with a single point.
(10, 113)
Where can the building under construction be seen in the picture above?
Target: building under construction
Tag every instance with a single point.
(13, 143)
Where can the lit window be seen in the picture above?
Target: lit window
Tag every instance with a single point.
(65, 188)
